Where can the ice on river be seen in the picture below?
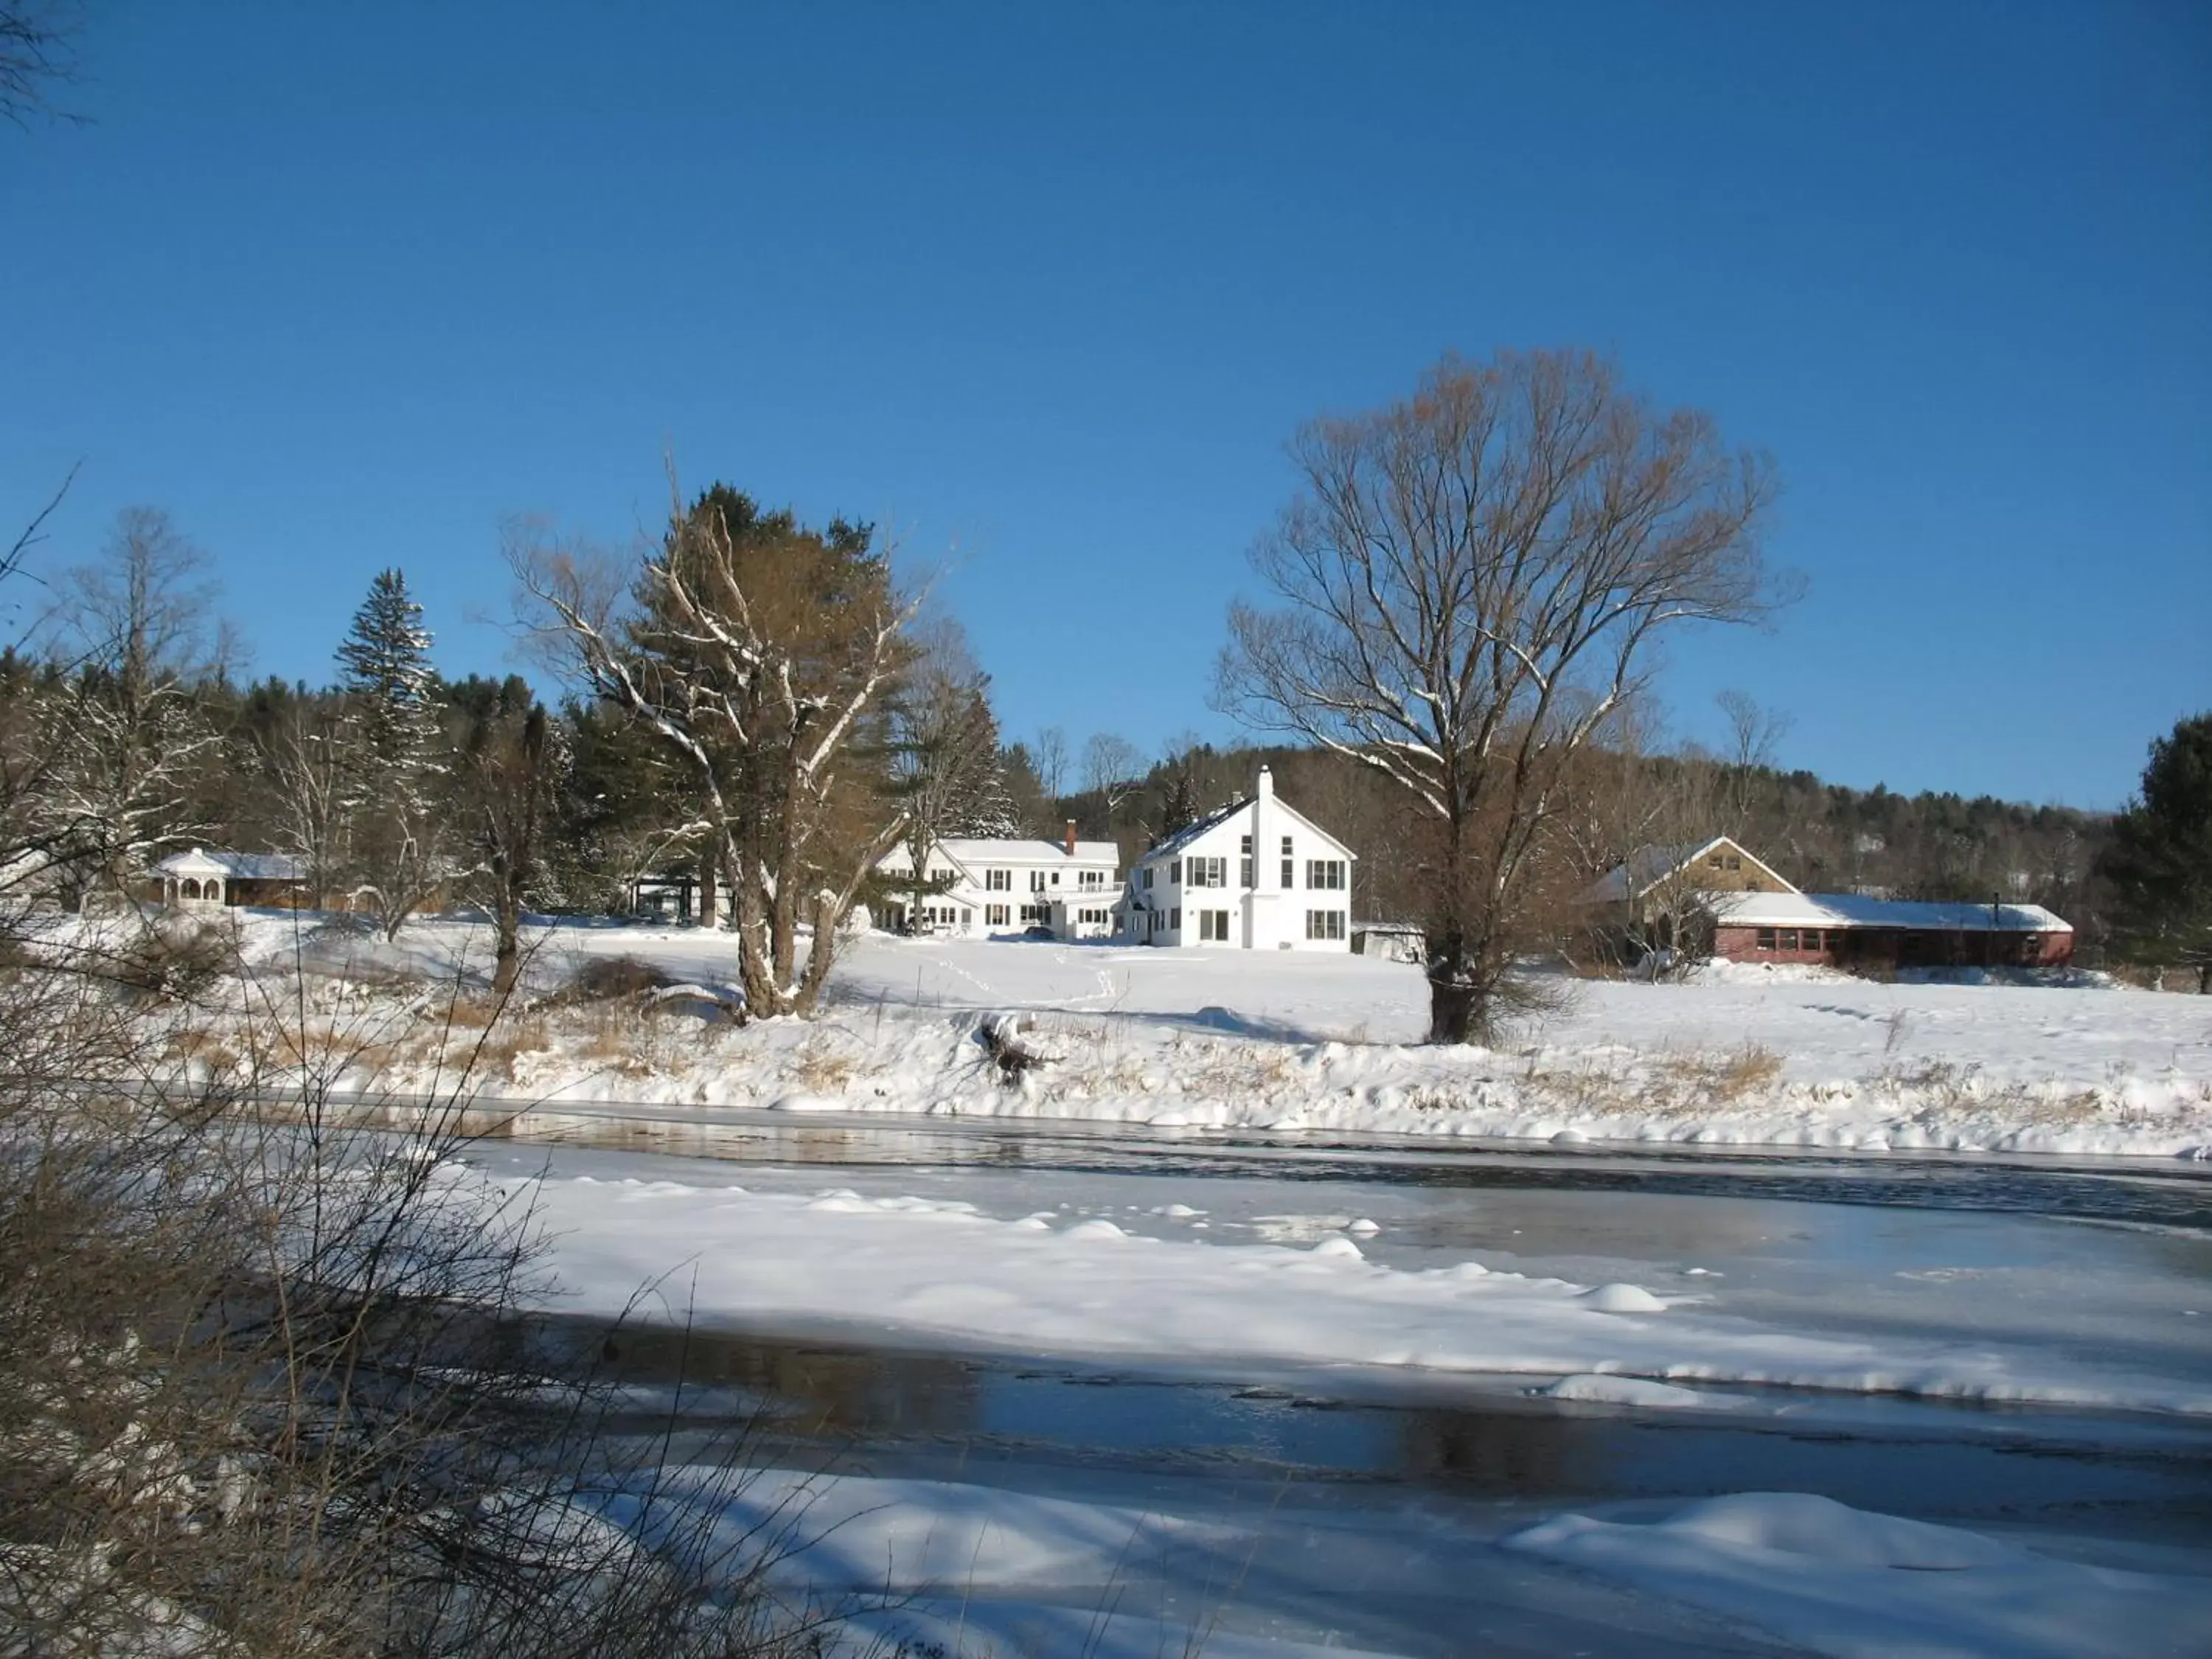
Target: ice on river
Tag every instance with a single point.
(937, 1272)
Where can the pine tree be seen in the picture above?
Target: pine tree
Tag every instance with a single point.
(2159, 861)
(385, 670)
(392, 845)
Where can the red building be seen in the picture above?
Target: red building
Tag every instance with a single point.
(1846, 931)
(1719, 896)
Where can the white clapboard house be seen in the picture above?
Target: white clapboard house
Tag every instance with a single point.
(989, 886)
(1256, 875)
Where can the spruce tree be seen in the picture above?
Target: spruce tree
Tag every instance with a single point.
(2159, 861)
(391, 846)
(384, 668)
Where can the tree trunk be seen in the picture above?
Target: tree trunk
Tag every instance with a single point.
(1453, 1008)
(507, 952)
(708, 897)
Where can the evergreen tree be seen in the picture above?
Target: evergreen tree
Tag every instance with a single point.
(2159, 859)
(390, 842)
(384, 668)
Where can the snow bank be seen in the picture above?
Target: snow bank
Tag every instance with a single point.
(1289, 1041)
(1839, 1581)
(937, 1274)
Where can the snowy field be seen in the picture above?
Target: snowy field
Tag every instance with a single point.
(1791, 1057)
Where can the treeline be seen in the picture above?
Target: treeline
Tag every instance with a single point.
(125, 720)
(1823, 837)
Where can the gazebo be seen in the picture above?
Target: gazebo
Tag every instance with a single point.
(199, 880)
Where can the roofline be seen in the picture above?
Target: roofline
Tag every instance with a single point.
(1221, 815)
(1788, 886)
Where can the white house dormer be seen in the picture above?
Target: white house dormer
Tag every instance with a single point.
(1254, 875)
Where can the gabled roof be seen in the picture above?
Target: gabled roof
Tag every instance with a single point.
(236, 866)
(1851, 910)
(1220, 815)
(1197, 827)
(1651, 864)
(984, 849)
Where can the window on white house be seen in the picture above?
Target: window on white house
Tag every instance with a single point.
(1290, 871)
(1324, 924)
(1213, 926)
(1148, 877)
(1036, 881)
(1244, 871)
(1175, 919)
(1175, 871)
(1325, 874)
(1205, 872)
(1032, 912)
(994, 916)
(1244, 845)
(998, 881)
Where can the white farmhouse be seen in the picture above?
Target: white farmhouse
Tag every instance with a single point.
(987, 886)
(1256, 875)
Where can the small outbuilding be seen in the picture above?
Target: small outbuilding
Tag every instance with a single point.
(201, 880)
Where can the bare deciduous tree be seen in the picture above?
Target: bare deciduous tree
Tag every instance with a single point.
(759, 653)
(136, 638)
(38, 51)
(1113, 769)
(1465, 589)
(1048, 755)
(1753, 740)
(945, 749)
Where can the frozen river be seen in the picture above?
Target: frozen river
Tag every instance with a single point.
(1366, 1502)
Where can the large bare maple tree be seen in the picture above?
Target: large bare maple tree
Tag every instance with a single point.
(1467, 587)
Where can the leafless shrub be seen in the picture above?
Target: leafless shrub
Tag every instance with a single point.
(608, 979)
(263, 1392)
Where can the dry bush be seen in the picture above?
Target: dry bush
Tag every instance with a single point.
(262, 1395)
(1727, 1076)
(611, 979)
(823, 1072)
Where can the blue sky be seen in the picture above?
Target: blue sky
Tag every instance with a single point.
(1048, 287)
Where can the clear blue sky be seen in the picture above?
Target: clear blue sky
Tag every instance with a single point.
(1049, 287)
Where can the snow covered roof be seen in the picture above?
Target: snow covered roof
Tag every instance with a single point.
(1191, 831)
(1220, 815)
(237, 866)
(983, 849)
(1851, 910)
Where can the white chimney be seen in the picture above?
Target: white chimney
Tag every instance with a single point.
(1263, 856)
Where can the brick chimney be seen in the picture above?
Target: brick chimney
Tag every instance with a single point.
(1071, 838)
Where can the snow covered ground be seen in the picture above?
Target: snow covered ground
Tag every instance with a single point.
(1289, 1041)
(981, 1571)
